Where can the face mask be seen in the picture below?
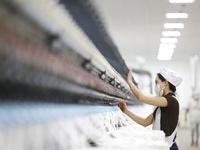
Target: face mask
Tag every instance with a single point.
(158, 91)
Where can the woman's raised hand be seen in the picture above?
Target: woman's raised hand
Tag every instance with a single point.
(129, 76)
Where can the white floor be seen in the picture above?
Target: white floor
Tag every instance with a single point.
(184, 139)
(184, 134)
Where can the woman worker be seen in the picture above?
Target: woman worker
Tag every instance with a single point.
(165, 117)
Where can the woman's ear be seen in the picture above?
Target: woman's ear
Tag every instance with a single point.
(166, 83)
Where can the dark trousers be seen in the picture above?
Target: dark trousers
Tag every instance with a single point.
(174, 146)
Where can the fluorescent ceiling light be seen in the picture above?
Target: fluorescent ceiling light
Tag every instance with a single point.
(181, 1)
(174, 25)
(171, 33)
(167, 54)
(168, 40)
(177, 15)
(166, 51)
(163, 57)
(167, 45)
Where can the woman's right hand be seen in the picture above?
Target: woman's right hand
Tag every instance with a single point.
(123, 107)
(129, 76)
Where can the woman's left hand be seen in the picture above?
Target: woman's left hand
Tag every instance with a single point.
(123, 107)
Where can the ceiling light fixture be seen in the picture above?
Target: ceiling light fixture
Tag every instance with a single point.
(168, 40)
(164, 57)
(177, 15)
(171, 46)
(171, 33)
(181, 1)
(173, 25)
(165, 53)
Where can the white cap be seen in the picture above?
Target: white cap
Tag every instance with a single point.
(171, 76)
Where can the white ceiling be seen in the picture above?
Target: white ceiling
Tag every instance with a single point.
(136, 26)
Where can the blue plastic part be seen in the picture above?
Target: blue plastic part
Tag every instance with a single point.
(114, 103)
